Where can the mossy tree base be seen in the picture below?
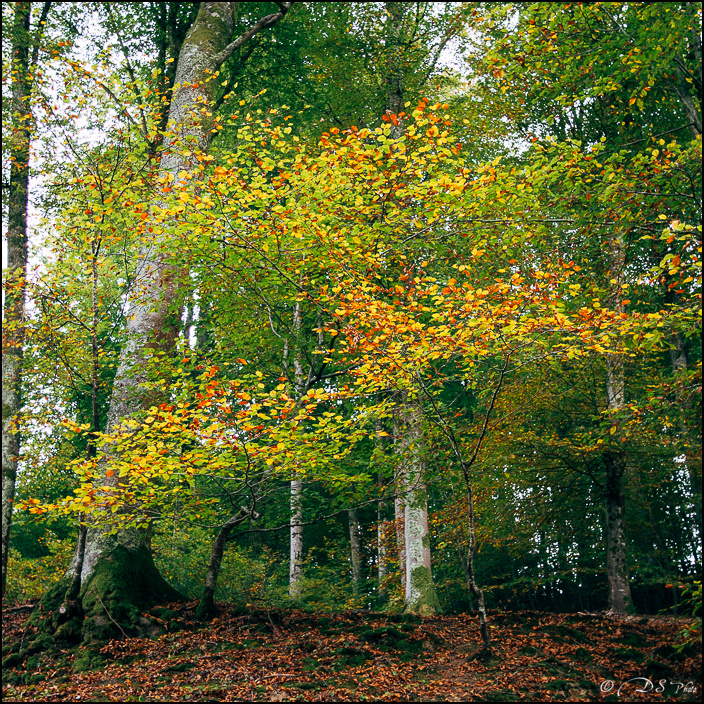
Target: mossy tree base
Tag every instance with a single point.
(424, 600)
(111, 603)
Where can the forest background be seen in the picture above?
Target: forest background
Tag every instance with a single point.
(350, 305)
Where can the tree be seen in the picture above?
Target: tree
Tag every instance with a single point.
(117, 572)
(25, 45)
(295, 291)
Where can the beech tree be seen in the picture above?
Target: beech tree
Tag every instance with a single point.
(108, 562)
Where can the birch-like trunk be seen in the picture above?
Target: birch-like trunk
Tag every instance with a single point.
(619, 598)
(295, 574)
(14, 275)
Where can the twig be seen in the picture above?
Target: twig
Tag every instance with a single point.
(108, 613)
(15, 609)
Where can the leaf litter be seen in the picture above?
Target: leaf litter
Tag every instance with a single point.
(253, 655)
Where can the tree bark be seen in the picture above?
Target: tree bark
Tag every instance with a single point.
(295, 574)
(469, 565)
(381, 523)
(619, 598)
(399, 503)
(394, 52)
(296, 532)
(619, 601)
(206, 607)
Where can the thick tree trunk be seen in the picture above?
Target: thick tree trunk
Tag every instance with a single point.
(118, 575)
(14, 275)
(420, 591)
(153, 324)
(355, 549)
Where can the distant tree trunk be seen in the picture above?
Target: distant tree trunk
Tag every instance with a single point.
(619, 599)
(381, 557)
(692, 447)
(118, 576)
(355, 549)
(420, 590)
(399, 502)
(394, 55)
(686, 86)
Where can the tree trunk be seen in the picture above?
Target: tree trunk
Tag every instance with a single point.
(619, 599)
(118, 575)
(381, 523)
(295, 573)
(381, 566)
(399, 502)
(420, 590)
(206, 607)
(469, 565)
(693, 460)
(14, 275)
(394, 55)
(355, 549)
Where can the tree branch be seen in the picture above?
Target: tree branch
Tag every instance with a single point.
(263, 23)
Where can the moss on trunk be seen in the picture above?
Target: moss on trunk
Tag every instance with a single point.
(426, 602)
(123, 585)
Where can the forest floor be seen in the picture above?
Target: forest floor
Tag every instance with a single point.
(297, 656)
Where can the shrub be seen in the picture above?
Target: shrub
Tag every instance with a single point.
(30, 578)
(692, 633)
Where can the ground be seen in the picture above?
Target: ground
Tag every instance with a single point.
(255, 655)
